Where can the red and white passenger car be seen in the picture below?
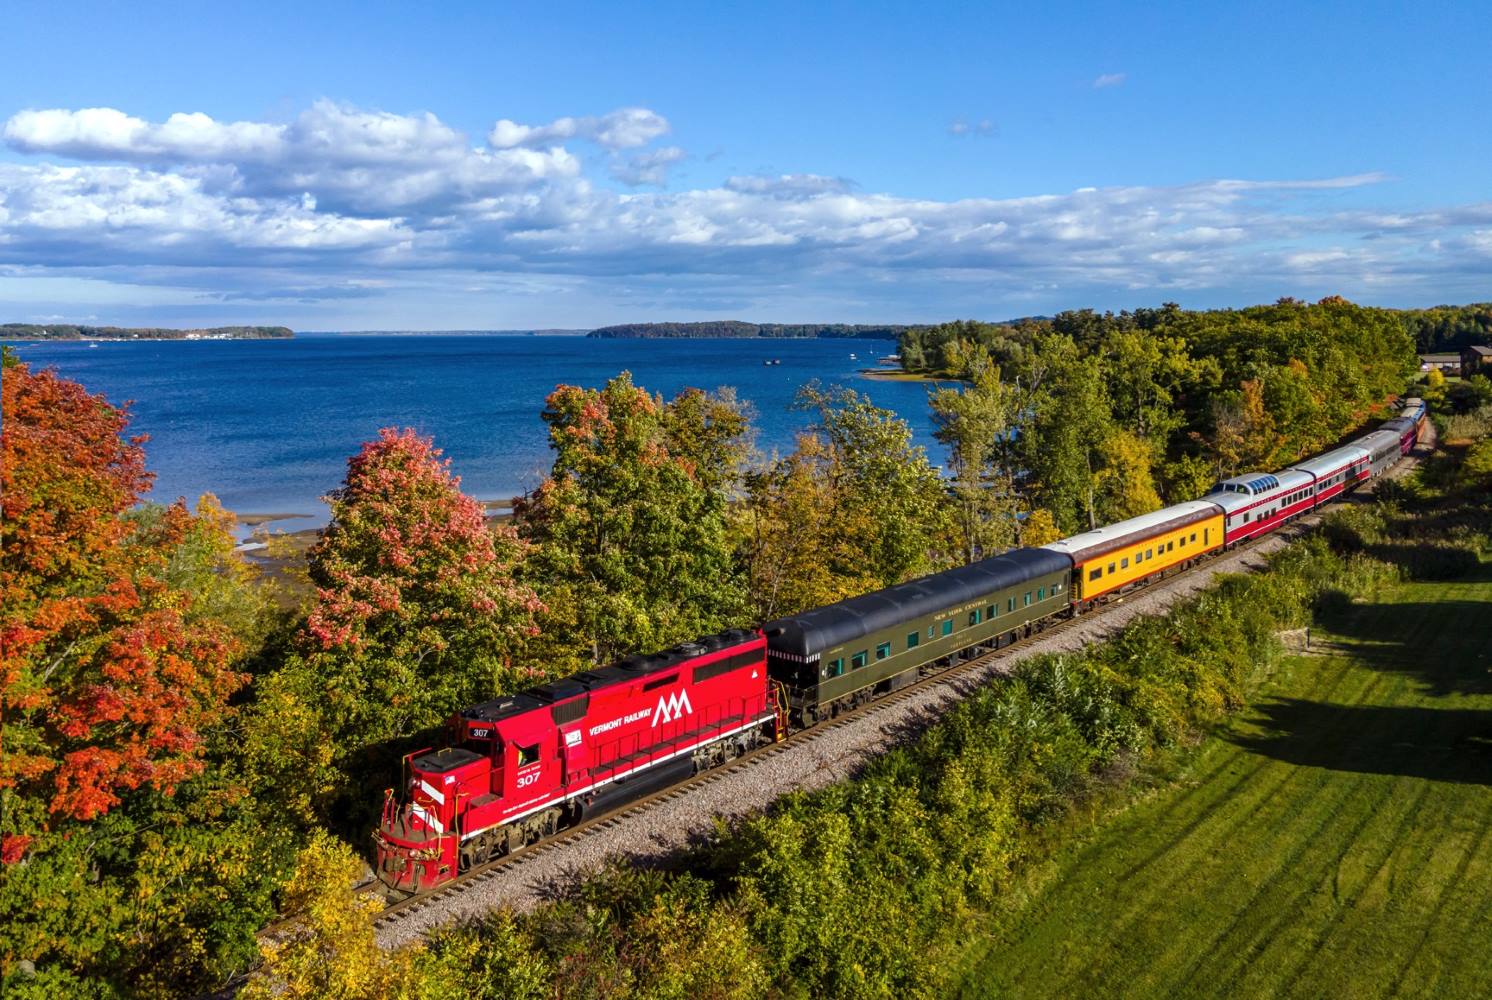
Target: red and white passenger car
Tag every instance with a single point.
(1336, 472)
(1260, 502)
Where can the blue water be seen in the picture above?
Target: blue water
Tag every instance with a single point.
(267, 425)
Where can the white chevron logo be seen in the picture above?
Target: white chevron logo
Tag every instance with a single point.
(674, 706)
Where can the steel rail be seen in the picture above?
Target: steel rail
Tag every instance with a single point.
(398, 910)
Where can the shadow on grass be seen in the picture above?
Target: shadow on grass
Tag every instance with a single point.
(1457, 658)
(1440, 744)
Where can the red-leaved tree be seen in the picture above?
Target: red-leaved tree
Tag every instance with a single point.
(106, 684)
(416, 610)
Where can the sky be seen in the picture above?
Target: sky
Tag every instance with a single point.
(512, 166)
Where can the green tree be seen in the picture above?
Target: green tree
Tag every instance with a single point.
(973, 421)
(874, 469)
(854, 507)
(1061, 445)
(629, 530)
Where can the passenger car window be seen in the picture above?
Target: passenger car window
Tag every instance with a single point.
(859, 660)
(836, 667)
(913, 638)
(948, 627)
(883, 650)
(1094, 574)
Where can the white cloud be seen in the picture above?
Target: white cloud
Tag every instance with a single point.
(341, 198)
(624, 128)
(104, 133)
(352, 160)
(1109, 80)
(648, 168)
(983, 127)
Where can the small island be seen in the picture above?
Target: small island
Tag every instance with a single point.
(741, 330)
(70, 331)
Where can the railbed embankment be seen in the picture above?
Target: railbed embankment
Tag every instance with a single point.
(835, 753)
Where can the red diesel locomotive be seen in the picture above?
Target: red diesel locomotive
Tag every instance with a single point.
(522, 766)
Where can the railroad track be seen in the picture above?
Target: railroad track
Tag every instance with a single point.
(402, 909)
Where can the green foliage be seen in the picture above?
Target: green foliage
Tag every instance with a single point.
(855, 507)
(629, 531)
(935, 349)
(974, 421)
(1445, 329)
(1107, 416)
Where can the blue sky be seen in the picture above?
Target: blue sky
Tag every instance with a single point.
(475, 166)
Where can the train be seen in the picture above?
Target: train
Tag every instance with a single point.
(521, 767)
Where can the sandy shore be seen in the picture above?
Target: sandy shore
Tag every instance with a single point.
(901, 375)
(255, 520)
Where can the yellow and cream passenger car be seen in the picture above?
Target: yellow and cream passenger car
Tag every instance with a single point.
(1113, 557)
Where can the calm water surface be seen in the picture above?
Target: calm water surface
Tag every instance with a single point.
(268, 425)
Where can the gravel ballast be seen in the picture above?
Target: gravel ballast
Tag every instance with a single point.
(834, 754)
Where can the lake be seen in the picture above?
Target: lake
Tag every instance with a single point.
(268, 425)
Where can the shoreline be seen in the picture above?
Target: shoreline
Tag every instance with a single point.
(902, 375)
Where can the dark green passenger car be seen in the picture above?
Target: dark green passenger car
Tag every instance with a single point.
(841, 655)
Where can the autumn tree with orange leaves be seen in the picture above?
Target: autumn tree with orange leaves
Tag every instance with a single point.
(108, 684)
(123, 837)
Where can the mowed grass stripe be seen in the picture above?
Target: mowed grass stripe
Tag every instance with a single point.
(1217, 814)
(1461, 900)
(1198, 805)
(1235, 863)
(1336, 841)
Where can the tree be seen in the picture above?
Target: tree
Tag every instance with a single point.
(331, 950)
(1126, 486)
(1062, 445)
(875, 470)
(629, 530)
(855, 507)
(131, 856)
(417, 611)
(109, 681)
(974, 422)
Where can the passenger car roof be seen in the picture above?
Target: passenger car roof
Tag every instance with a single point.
(1094, 543)
(811, 632)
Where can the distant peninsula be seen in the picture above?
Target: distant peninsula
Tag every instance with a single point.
(738, 329)
(68, 331)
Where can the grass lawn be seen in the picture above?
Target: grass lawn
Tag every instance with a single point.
(1334, 841)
